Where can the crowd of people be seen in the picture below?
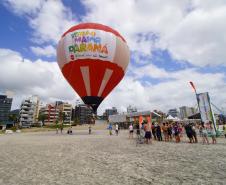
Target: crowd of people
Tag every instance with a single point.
(174, 131)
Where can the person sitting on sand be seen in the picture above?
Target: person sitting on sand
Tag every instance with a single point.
(69, 130)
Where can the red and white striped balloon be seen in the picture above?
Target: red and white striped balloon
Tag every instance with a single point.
(93, 58)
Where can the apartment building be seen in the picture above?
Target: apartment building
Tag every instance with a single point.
(5, 107)
(65, 111)
(29, 111)
(51, 113)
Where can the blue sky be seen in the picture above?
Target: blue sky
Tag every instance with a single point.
(167, 49)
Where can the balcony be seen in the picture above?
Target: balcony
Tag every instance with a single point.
(24, 115)
(31, 112)
(23, 111)
(24, 107)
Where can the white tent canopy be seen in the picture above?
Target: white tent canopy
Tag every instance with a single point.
(173, 118)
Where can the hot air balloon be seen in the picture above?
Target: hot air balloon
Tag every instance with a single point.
(93, 58)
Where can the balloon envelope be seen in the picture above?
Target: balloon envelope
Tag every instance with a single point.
(93, 58)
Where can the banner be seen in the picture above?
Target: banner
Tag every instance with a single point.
(90, 43)
(140, 121)
(205, 108)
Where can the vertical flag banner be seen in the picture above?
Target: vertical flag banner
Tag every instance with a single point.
(140, 121)
(193, 86)
(205, 108)
(149, 121)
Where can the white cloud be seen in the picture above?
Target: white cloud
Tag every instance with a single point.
(24, 6)
(51, 21)
(150, 71)
(168, 94)
(47, 51)
(200, 37)
(191, 30)
(42, 78)
(25, 78)
(48, 19)
(137, 17)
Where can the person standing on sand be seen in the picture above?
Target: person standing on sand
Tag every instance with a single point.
(194, 135)
(169, 129)
(159, 132)
(165, 132)
(188, 130)
(224, 128)
(176, 132)
(116, 129)
(147, 129)
(153, 129)
(61, 129)
(212, 133)
(131, 131)
(90, 129)
(204, 134)
(180, 130)
(110, 129)
(57, 129)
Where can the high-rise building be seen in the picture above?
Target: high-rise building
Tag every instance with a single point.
(131, 109)
(29, 111)
(5, 107)
(51, 113)
(185, 112)
(82, 114)
(109, 112)
(173, 112)
(65, 111)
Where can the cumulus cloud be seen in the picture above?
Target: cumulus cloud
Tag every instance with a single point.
(172, 93)
(47, 51)
(200, 37)
(23, 6)
(190, 30)
(48, 19)
(25, 78)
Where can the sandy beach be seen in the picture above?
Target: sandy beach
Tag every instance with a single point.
(50, 158)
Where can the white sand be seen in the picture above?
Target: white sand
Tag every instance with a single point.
(47, 158)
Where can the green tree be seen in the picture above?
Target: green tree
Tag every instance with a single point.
(42, 118)
(13, 118)
(62, 116)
